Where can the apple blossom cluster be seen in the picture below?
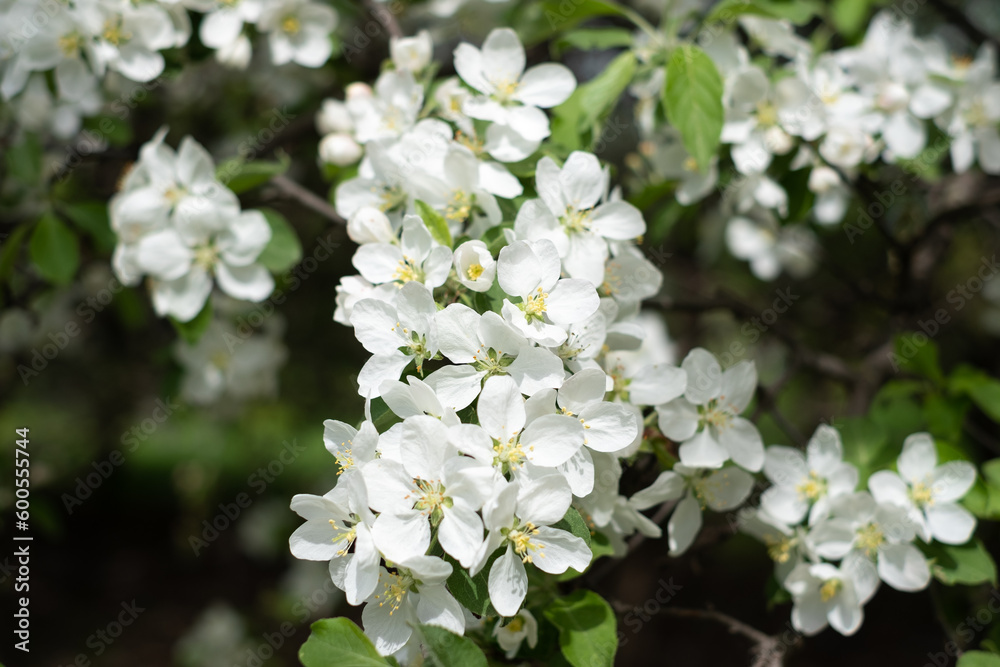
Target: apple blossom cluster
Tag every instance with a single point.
(179, 226)
(448, 149)
(502, 351)
(77, 42)
(812, 517)
(832, 114)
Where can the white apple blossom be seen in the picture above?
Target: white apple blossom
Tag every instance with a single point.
(548, 304)
(719, 490)
(411, 53)
(334, 523)
(298, 31)
(511, 98)
(484, 346)
(182, 263)
(807, 484)
(414, 593)
(475, 267)
(881, 531)
(519, 519)
(430, 486)
(396, 335)
(520, 628)
(928, 491)
(569, 214)
(828, 595)
(416, 257)
(706, 421)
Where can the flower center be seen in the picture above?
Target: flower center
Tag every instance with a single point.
(829, 589)
(345, 459)
(516, 624)
(690, 164)
(509, 454)
(391, 198)
(408, 270)
(506, 89)
(869, 538)
(767, 114)
(206, 256)
(113, 33)
(523, 545)
(714, 414)
(534, 305)
(432, 499)
(813, 487)
(922, 494)
(291, 25)
(345, 535)
(70, 44)
(780, 550)
(574, 221)
(395, 590)
(459, 206)
(474, 271)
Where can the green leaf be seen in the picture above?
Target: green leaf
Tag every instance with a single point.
(728, 10)
(55, 250)
(338, 641)
(473, 592)
(495, 239)
(796, 11)
(436, 224)
(850, 16)
(593, 38)
(10, 248)
(986, 396)
(382, 417)
(540, 20)
(573, 523)
(284, 250)
(592, 100)
(446, 649)
(693, 98)
(945, 416)
(240, 176)
(978, 659)
(963, 564)
(918, 358)
(867, 446)
(24, 159)
(983, 499)
(92, 217)
(587, 628)
(192, 330)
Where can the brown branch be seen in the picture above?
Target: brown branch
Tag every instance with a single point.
(385, 16)
(293, 190)
(767, 648)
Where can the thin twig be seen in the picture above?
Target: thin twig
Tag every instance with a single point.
(766, 647)
(293, 190)
(385, 15)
